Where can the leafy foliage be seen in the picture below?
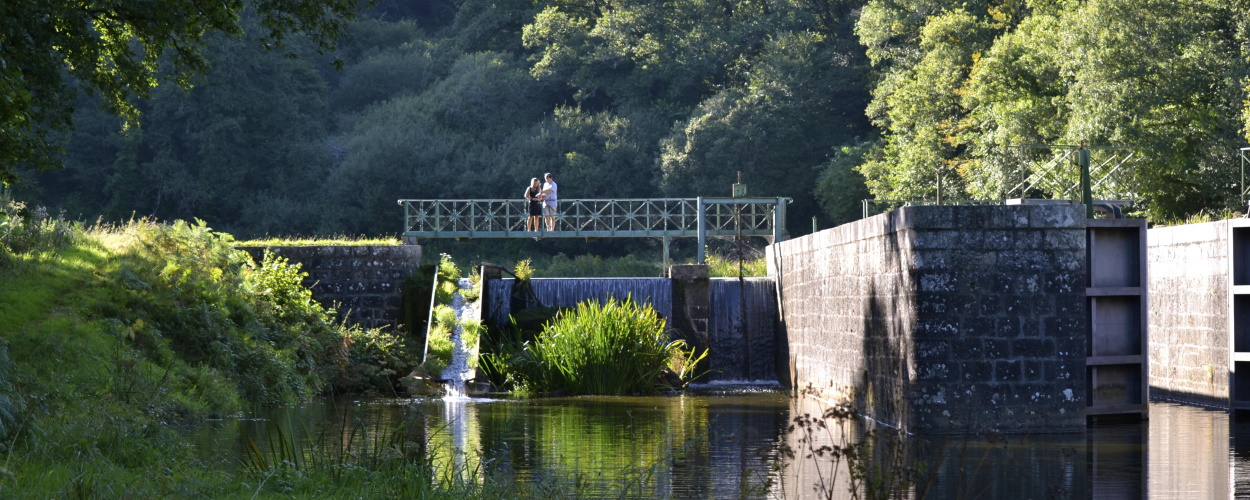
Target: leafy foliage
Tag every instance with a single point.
(966, 93)
(469, 99)
(24, 230)
(195, 295)
(116, 50)
(823, 101)
(614, 348)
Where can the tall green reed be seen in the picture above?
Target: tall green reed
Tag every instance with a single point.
(617, 347)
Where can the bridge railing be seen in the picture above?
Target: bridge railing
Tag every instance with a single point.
(591, 218)
(599, 218)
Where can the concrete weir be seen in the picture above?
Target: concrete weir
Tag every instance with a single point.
(735, 320)
(943, 318)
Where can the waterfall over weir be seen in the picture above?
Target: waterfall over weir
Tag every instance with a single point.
(742, 330)
(458, 369)
(567, 292)
(741, 316)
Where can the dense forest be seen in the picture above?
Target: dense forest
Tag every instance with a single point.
(825, 101)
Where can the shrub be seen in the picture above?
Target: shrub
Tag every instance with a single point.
(376, 358)
(614, 348)
(29, 229)
(448, 280)
(524, 269)
(186, 292)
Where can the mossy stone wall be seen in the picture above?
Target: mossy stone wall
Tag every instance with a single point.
(364, 283)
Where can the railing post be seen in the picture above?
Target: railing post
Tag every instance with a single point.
(438, 217)
(1244, 160)
(701, 217)
(1087, 190)
(779, 221)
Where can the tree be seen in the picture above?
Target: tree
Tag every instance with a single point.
(119, 50)
(964, 91)
(917, 101)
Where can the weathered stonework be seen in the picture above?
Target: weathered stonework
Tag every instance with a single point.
(1189, 323)
(364, 283)
(947, 318)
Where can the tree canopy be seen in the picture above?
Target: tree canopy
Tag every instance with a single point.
(963, 85)
(118, 50)
(824, 101)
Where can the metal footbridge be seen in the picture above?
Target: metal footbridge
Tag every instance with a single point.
(663, 218)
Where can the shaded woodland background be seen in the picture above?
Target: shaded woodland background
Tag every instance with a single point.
(825, 101)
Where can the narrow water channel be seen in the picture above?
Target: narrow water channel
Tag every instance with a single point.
(728, 443)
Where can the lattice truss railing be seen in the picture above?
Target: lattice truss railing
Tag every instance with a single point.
(1243, 155)
(678, 216)
(1053, 171)
(727, 218)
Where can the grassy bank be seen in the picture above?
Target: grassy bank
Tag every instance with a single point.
(113, 339)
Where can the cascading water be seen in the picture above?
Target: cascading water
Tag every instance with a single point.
(742, 330)
(741, 323)
(568, 292)
(458, 369)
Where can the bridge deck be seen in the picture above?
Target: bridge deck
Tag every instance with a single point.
(663, 218)
(622, 218)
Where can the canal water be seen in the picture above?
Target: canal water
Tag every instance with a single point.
(735, 442)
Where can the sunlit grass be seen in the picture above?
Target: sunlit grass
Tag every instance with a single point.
(336, 240)
(1200, 217)
(724, 267)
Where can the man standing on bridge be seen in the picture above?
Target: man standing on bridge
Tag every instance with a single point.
(550, 201)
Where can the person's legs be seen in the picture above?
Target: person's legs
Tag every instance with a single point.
(550, 212)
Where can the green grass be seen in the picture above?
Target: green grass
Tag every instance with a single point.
(1200, 217)
(725, 267)
(114, 337)
(302, 241)
(592, 266)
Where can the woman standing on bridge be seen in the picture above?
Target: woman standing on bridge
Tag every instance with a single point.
(534, 197)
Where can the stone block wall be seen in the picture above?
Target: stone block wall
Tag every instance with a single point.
(1189, 323)
(948, 318)
(364, 283)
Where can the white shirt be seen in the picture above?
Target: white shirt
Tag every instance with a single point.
(551, 197)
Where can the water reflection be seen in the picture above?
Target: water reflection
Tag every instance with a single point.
(730, 444)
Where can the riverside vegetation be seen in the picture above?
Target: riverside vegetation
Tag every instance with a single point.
(115, 337)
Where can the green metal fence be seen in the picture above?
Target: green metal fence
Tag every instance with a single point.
(662, 218)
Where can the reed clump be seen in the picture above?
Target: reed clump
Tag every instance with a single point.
(610, 348)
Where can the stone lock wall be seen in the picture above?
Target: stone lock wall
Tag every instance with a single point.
(942, 318)
(366, 283)
(1189, 309)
